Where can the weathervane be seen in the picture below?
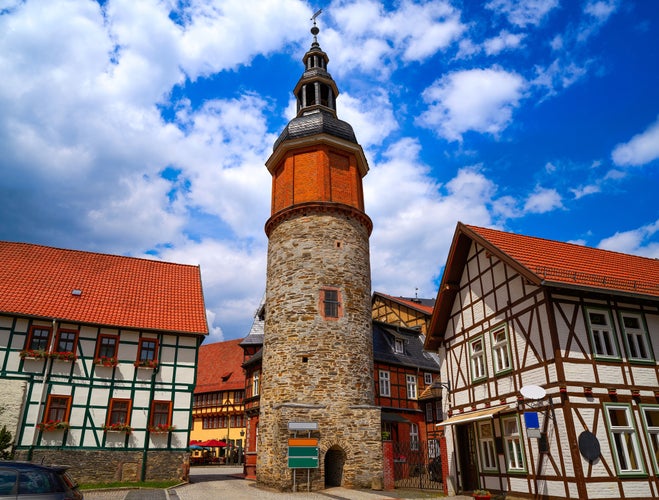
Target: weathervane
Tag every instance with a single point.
(314, 29)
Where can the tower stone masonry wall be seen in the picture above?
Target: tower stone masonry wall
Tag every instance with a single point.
(317, 369)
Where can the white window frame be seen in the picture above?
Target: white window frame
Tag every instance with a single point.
(410, 383)
(477, 359)
(624, 440)
(399, 346)
(414, 437)
(652, 432)
(256, 386)
(603, 337)
(501, 350)
(636, 339)
(384, 381)
(512, 444)
(427, 378)
(487, 446)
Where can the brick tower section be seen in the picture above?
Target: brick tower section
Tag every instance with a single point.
(318, 353)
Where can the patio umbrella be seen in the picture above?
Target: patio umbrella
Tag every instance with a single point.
(213, 443)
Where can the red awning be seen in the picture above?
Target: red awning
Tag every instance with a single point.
(212, 443)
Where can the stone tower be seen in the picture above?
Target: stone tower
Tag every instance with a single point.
(318, 351)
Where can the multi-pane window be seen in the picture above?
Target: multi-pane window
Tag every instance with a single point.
(411, 386)
(66, 341)
(399, 346)
(477, 353)
(119, 412)
(602, 333)
(256, 383)
(331, 303)
(238, 396)
(414, 437)
(161, 413)
(439, 413)
(651, 422)
(39, 339)
(486, 446)
(106, 347)
(500, 349)
(57, 408)
(636, 337)
(623, 438)
(428, 412)
(427, 378)
(384, 382)
(512, 444)
(148, 349)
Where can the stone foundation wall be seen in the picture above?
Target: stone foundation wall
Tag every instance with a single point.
(104, 466)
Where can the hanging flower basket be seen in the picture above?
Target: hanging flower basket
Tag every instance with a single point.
(52, 425)
(147, 363)
(118, 428)
(33, 354)
(161, 428)
(106, 361)
(64, 356)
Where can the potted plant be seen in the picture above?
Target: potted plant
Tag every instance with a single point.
(118, 427)
(106, 361)
(481, 495)
(52, 425)
(386, 436)
(161, 428)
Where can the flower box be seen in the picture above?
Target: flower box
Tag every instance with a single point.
(63, 356)
(146, 363)
(106, 361)
(118, 428)
(52, 425)
(161, 429)
(481, 495)
(33, 354)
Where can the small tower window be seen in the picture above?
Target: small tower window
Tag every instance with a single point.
(330, 303)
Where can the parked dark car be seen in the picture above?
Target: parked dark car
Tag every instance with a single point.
(28, 481)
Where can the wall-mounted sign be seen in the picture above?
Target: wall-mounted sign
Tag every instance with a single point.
(531, 420)
(302, 426)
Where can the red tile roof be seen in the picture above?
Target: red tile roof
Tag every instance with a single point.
(543, 262)
(220, 367)
(116, 291)
(411, 303)
(569, 264)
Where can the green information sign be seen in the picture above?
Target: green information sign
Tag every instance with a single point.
(302, 457)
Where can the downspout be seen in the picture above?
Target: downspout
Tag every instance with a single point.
(44, 384)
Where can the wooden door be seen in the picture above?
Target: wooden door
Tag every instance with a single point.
(466, 443)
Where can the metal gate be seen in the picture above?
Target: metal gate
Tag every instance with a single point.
(417, 465)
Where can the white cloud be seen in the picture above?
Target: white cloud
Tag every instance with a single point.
(601, 9)
(523, 12)
(635, 241)
(480, 100)
(640, 150)
(586, 190)
(503, 41)
(542, 200)
(559, 75)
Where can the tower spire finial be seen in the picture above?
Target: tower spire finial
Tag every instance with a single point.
(314, 29)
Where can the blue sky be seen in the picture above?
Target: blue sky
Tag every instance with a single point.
(142, 128)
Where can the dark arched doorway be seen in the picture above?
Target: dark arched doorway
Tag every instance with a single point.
(335, 459)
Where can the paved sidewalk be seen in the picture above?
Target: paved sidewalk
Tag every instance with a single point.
(226, 482)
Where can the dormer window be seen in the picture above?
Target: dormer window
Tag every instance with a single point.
(399, 346)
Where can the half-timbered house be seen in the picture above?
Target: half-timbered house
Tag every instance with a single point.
(548, 354)
(97, 360)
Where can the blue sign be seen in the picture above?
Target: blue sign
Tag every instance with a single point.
(531, 420)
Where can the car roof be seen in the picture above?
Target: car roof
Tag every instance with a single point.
(30, 465)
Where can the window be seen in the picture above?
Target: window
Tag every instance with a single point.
(66, 341)
(161, 413)
(411, 386)
(636, 337)
(512, 444)
(478, 370)
(238, 396)
(399, 346)
(414, 437)
(106, 346)
(385, 386)
(57, 408)
(624, 441)
(427, 378)
(255, 383)
(428, 412)
(119, 412)
(330, 303)
(147, 350)
(486, 446)
(439, 413)
(38, 339)
(500, 349)
(651, 422)
(602, 334)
